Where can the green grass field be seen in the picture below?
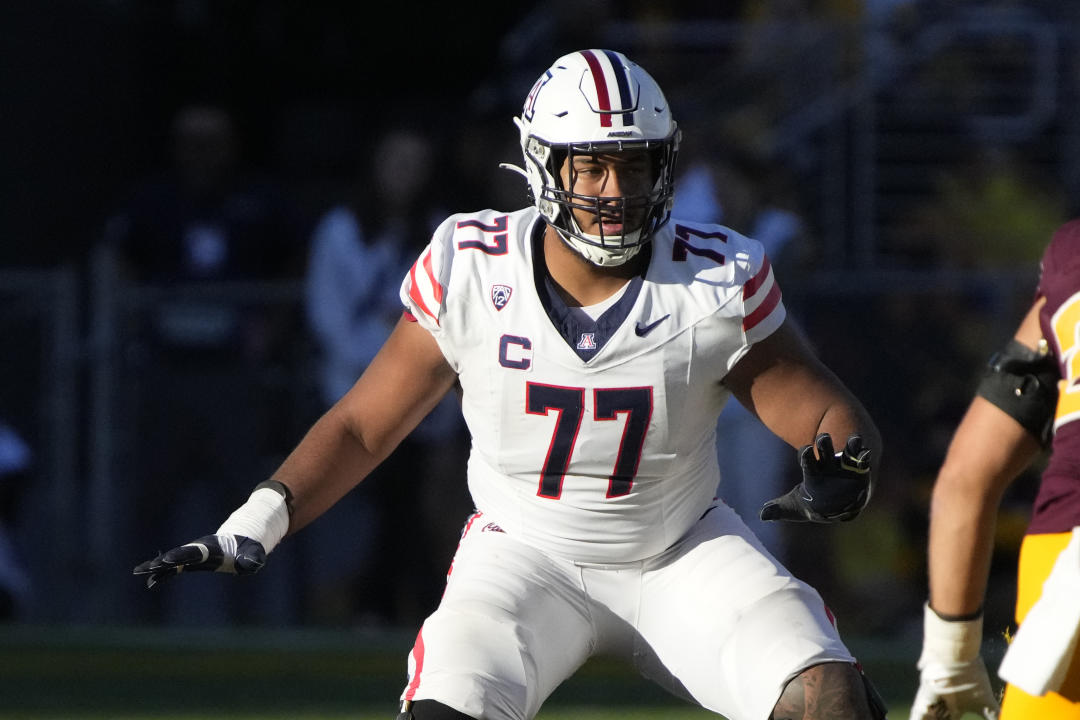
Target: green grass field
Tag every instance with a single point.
(567, 713)
(135, 674)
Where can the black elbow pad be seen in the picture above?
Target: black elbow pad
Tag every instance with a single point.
(1023, 383)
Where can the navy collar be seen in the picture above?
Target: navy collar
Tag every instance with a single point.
(584, 335)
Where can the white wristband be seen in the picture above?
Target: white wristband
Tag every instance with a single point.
(264, 517)
(950, 642)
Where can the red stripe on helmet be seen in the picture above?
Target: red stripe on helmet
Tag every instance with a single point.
(602, 97)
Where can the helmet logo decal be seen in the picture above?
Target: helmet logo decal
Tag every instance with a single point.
(619, 105)
(530, 102)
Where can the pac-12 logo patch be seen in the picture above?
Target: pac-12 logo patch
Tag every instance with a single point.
(500, 295)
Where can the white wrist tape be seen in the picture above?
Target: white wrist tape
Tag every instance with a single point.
(949, 642)
(264, 517)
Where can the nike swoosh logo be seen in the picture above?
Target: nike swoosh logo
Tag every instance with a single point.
(643, 330)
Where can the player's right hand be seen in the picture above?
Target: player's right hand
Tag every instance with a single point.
(216, 553)
(952, 675)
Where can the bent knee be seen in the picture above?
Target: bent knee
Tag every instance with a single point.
(830, 690)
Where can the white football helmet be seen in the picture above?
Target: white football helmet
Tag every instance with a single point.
(590, 102)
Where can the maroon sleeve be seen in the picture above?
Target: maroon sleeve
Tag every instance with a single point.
(1057, 506)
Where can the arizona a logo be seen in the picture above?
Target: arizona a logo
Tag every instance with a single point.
(500, 295)
(530, 102)
(587, 341)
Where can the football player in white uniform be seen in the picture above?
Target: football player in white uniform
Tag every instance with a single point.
(593, 343)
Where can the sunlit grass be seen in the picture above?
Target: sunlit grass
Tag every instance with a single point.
(126, 674)
(577, 712)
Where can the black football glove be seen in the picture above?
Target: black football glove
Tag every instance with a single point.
(218, 553)
(835, 485)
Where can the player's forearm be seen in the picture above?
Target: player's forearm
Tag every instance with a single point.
(988, 451)
(823, 404)
(405, 381)
(845, 417)
(960, 548)
(328, 462)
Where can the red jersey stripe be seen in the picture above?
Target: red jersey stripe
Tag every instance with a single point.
(468, 527)
(418, 660)
(431, 276)
(755, 282)
(763, 310)
(414, 293)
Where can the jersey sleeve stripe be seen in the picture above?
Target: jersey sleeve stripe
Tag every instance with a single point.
(436, 287)
(418, 667)
(764, 309)
(758, 280)
(419, 282)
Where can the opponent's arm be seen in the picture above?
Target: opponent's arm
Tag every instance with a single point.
(798, 398)
(407, 378)
(999, 436)
(988, 451)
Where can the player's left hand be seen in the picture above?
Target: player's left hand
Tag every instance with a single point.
(835, 486)
(951, 692)
(953, 681)
(215, 553)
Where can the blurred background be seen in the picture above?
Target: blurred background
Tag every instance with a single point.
(207, 208)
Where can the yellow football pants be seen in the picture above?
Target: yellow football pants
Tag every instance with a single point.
(1037, 556)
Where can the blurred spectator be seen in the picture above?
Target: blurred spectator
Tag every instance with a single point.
(207, 383)
(485, 139)
(360, 252)
(16, 461)
(351, 287)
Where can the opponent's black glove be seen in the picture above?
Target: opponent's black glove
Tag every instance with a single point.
(234, 554)
(835, 485)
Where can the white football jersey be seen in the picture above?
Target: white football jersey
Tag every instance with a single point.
(592, 440)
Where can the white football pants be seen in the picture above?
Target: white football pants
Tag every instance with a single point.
(714, 619)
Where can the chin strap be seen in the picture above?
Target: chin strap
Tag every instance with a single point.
(601, 257)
